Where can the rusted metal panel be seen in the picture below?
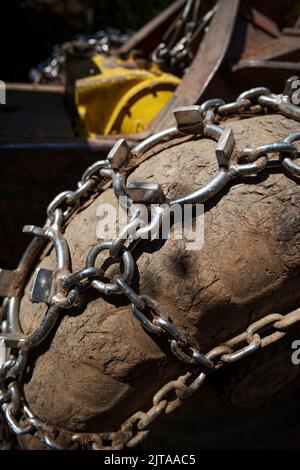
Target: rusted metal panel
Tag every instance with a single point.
(284, 48)
(265, 24)
(153, 30)
(206, 63)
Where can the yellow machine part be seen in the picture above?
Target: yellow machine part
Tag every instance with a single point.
(122, 99)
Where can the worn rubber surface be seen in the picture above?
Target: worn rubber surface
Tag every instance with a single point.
(99, 365)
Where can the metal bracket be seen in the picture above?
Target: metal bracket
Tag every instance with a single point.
(225, 147)
(41, 290)
(189, 119)
(289, 88)
(3, 352)
(147, 193)
(119, 154)
(44, 287)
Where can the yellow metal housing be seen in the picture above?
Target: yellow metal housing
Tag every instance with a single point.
(123, 98)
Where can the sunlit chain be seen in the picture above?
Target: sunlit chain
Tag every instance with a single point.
(61, 289)
(172, 395)
(176, 49)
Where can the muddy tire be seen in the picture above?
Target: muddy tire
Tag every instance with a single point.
(99, 365)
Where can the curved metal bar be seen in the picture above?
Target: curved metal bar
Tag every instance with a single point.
(37, 337)
(207, 191)
(82, 190)
(119, 187)
(213, 131)
(29, 256)
(155, 223)
(41, 333)
(13, 322)
(156, 139)
(63, 260)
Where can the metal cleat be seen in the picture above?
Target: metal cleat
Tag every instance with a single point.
(42, 286)
(44, 283)
(147, 193)
(189, 119)
(290, 87)
(119, 154)
(225, 147)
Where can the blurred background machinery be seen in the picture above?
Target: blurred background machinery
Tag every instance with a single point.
(72, 91)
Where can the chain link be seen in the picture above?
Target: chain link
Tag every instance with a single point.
(176, 49)
(66, 286)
